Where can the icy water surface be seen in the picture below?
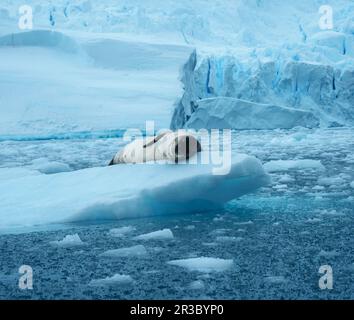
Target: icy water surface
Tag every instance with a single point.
(276, 239)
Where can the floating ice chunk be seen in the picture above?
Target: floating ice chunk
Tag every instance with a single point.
(313, 220)
(284, 165)
(45, 166)
(352, 184)
(68, 241)
(318, 188)
(331, 181)
(332, 213)
(328, 254)
(219, 231)
(117, 279)
(280, 186)
(286, 178)
(228, 239)
(135, 251)
(120, 232)
(164, 234)
(204, 264)
(245, 223)
(197, 285)
(275, 279)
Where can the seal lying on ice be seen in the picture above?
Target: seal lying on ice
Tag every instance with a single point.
(172, 146)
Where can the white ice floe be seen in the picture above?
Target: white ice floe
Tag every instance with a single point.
(331, 181)
(134, 251)
(285, 165)
(245, 223)
(68, 241)
(204, 264)
(313, 220)
(117, 279)
(352, 184)
(124, 191)
(121, 232)
(196, 285)
(165, 234)
(228, 239)
(328, 254)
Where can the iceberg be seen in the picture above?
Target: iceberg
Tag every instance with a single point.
(124, 191)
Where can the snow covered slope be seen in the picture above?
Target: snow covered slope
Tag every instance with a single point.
(122, 191)
(51, 82)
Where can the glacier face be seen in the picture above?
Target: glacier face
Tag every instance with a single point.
(317, 79)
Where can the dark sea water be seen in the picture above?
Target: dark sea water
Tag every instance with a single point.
(277, 238)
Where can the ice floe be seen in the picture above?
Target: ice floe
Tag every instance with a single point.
(134, 251)
(68, 241)
(204, 264)
(116, 280)
(165, 234)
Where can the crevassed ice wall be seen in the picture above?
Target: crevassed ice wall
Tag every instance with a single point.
(316, 76)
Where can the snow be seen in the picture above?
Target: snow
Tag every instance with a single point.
(204, 264)
(93, 84)
(134, 251)
(117, 279)
(285, 165)
(124, 191)
(121, 232)
(165, 234)
(68, 241)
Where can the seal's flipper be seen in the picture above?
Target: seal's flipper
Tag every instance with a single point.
(111, 163)
(157, 138)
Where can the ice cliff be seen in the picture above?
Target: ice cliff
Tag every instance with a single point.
(267, 89)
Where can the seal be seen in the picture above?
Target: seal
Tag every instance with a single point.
(170, 146)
